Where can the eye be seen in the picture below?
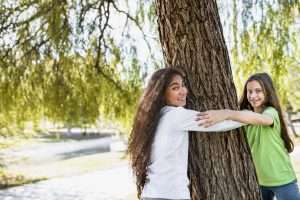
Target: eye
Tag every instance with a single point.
(258, 90)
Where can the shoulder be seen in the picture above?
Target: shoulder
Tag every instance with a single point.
(270, 111)
(168, 112)
(273, 113)
(171, 110)
(177, 112)
(169, 116)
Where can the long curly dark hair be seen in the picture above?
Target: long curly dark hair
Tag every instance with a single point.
(271, 99)
(145, 123)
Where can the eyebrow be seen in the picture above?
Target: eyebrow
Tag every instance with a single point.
(173, 83)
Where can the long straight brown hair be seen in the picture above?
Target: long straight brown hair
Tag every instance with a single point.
(271, 99)
(145, 122)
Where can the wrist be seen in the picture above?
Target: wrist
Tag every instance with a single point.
(228, 114)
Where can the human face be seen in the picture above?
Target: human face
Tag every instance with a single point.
(255, 95)
(176, 92)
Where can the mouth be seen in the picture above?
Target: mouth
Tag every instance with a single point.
(255, 102)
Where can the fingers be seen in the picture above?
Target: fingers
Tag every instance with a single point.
(205, 119)
(201, 122)
(202, 116)
(202, 113)
(205, 123)
(208, 124)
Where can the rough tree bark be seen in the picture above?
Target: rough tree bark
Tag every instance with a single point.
(220, 164)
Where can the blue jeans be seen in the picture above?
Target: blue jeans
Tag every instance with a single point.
(288, 191)
(159, 199)
(145, 198)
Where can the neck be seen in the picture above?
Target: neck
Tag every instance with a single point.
(259, 110)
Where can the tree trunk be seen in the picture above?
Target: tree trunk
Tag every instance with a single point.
(220, 164)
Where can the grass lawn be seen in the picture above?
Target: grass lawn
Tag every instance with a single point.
(20, 172)
(7, 178)
(12, 142)
(18, 142)
(80, 165)
(69, 167)
(296, 164)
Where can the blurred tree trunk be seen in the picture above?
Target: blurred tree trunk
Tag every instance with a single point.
(220, 165)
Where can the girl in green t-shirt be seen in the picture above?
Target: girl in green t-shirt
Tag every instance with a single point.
(267, 137)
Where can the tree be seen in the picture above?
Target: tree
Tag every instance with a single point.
(64, 50)
(268, 42)
(220, 165)
(60, 61)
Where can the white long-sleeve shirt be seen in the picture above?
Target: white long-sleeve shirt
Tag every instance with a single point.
(167, 172)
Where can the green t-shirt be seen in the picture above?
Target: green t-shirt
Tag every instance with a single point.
(271, 159)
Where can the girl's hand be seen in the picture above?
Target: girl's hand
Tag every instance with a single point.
(211, 117)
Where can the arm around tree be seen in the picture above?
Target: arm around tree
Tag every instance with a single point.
(212, 117)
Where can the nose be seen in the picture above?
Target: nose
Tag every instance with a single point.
(183, 91)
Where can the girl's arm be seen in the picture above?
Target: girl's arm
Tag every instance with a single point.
(186, 119)
(211, 117)
(225, 125)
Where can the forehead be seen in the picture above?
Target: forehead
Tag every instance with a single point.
(176, 79)
(253, 85)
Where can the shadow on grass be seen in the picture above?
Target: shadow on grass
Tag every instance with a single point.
(84, 152)
(55, 137)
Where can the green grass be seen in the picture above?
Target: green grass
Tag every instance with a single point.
(19, 142)
(21, 172)
(69, 167)
(28, 173)
(10, 180)
(10, 142)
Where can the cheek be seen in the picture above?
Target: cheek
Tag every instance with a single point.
(168, 96)
(248, 96)
(186, 91)
(263, 97)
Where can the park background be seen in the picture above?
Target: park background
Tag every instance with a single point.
(71, 74)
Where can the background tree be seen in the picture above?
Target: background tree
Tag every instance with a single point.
(73, 61)
(265, 39)
(220, 165)
(63, 61)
